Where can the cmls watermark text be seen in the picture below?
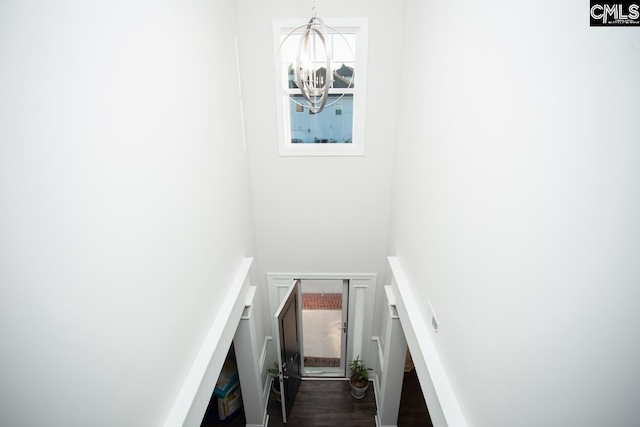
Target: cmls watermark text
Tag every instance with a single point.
(614, 14)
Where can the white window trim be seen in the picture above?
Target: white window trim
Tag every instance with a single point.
(356, 148)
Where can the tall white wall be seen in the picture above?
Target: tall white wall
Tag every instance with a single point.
(320, 214)
(125, 208)
(515, 206)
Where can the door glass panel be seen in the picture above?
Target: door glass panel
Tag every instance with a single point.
(323, 320)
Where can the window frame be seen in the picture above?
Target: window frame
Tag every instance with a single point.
(357, 26)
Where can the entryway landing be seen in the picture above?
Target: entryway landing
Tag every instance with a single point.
(329, 403)
(326, 403)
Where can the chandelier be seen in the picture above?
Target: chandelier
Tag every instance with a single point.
(313, 71)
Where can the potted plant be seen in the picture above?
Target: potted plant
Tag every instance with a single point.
(275, 383)
(359, 378)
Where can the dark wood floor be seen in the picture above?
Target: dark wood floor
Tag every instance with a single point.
(413, 409)
(329, 403)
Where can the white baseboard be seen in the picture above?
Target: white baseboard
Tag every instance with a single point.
(383, 425)
(264, 424)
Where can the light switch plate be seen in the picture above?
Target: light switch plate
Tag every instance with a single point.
(433, 319)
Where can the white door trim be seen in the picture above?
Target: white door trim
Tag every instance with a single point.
(278, 284)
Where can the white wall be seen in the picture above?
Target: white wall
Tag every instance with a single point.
(320, 214)
(515, 207)
(125, 203)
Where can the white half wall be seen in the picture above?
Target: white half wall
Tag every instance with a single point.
(125, 207)
(442, 403)
(515, 207)
(194, 396)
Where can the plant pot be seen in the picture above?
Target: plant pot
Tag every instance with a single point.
(275, 388)
(358, 392)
